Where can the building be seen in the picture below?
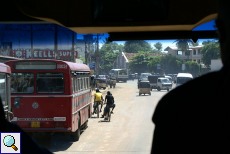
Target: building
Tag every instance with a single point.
(122, 60)
(194, 53)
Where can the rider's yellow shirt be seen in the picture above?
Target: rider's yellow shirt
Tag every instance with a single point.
(98, 96)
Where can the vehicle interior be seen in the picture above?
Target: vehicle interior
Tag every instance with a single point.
(120, 20)
(141, 20)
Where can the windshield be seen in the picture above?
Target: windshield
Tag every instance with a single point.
(182, 80)
(123, 72)
(165, 81)
(61, 102)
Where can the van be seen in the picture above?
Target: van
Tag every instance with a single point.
(183, 78)
(164, 84)
(169, 77)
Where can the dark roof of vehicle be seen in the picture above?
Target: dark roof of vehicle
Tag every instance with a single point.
(122, 19)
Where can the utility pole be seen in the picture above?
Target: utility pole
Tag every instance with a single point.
(32, 41)
(72, 57)
(97, 56)
(56, 42)
(86, 56)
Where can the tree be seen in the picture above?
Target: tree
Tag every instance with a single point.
(158, 46)
(153, 64)
(136, 46)
(183, 45)
(210, 50)
(108, 54)
(192, 67)
(170, 64)
(139, 63)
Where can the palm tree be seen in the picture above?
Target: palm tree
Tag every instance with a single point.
(183, 45)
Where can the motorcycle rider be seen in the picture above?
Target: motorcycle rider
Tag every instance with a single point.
(109, 101)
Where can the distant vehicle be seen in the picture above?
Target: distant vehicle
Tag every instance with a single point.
(153, 80)
(169, 77)
(101, 83)
(144, 88)
(183, 78)
(144, 76)
(119, 74)
(103, 77)
(164, 83)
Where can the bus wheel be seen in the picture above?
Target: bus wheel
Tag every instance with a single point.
(77, 133)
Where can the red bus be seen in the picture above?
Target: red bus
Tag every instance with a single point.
(50, 95)
(5, 72)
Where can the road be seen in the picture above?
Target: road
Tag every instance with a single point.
(129, 132)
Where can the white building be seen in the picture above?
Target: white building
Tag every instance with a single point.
(194, 53)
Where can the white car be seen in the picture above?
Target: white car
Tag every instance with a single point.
(163, 84)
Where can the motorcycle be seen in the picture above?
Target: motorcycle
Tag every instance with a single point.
(108, 114)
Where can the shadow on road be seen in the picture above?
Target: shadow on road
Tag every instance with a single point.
(54, 142)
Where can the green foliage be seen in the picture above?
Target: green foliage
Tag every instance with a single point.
(149, 62)
(139, 63)
(158, 46)
(170, 64)
(192, 67)
(183, 44)
(108, 53)
(210, 50)
(136, 46)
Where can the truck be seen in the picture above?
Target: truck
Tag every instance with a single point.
(119, 74)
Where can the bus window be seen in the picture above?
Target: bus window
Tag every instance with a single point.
(50, 83)
(22, 83)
